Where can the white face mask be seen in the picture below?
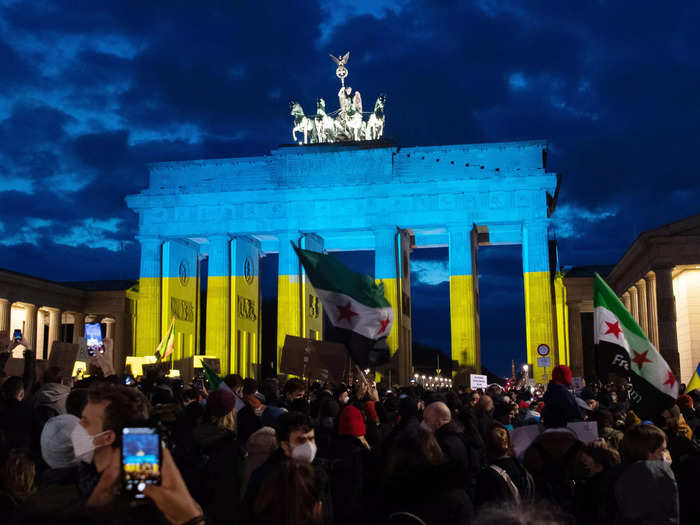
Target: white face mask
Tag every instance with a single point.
(305, 452)
(83, 443)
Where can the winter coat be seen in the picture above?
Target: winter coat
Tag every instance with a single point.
(455, 446)
(347, 474)
(551, 459)
(219, 484)
(492, 488)
(434, 492)
(558, 399)
(646, 494)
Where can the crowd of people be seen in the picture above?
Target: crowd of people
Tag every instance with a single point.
(299, 452)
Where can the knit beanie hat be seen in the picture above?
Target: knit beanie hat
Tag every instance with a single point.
(351, 422)
(56, 443)
(562, 374)
(220, 402)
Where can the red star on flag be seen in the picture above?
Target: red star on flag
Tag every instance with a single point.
(345, 312)
(671, 379)
(640, 359)
(613, 328)
(384, 323)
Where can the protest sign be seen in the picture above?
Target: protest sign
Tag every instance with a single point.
(64, 355)
(314, 359)
(522, 437)
(478, 381)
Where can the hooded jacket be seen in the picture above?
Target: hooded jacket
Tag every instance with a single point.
(646, 494)
(53, 396)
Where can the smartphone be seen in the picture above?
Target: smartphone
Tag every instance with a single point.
(17, 336)
(93, 338)
(128, 380)
(141, 459)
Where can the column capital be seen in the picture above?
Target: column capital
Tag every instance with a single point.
(650, 276)
(149, 241)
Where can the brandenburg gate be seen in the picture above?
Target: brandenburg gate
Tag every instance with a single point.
(341, 187)
(367, 195)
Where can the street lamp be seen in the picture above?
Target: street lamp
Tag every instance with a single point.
(525, 369)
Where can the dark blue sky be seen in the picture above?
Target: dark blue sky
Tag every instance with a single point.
(91, 91)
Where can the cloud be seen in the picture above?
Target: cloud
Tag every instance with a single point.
(430, 272)
(93, 234)
(571, 221)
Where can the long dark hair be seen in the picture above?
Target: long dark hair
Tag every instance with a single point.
(290, 496)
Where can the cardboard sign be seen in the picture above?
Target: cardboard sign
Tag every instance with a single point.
(15, 367)
(544, 361)
(478, 381)
(314, 359)
(64, 355)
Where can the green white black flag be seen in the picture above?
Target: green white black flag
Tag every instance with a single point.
(626, 350)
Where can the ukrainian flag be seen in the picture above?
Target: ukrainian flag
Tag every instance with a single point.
(694, 381)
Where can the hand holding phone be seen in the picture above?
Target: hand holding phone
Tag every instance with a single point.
(93, 338)
(17, 336)
(141, 459)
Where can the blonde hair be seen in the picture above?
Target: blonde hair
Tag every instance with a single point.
(227, 422)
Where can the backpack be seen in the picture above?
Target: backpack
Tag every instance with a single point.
(554, 482)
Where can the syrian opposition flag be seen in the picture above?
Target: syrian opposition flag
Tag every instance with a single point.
(623, 348)
(355, 305)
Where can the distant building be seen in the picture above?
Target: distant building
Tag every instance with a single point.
(658, 280)
(48, 311)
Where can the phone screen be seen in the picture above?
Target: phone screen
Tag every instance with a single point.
(93, 338)
(140, 459)
(17, 335)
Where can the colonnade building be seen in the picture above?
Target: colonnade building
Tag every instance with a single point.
(47, 311)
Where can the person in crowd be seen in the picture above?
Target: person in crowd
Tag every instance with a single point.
(235, 383)
(419, 479)
(58, 493)
(350, 459)
(558, 397)
(219, 459)
(484, 413)
(18, 474)
(296, 440)
(607, 429)
(50, 399)
(505, 480)
(294, 389)
(552, 456)
(326, 426)
(646, 490)
(678, 434)
(293, 495)
(686, 405)
(596, 472)
(261, 444)
(255, 414)
(504, 413)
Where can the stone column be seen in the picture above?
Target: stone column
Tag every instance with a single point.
(464, 331)
(109, 329)
(149, 305)
(30, 323)
(642, 308)
(576, 339)
(539, 318)
(666, 310)
(78, 326)
(54, 328)
(634, 303)
(5, 312)
(626, 301)
(652, 317)
(218, 327)
(288, 297)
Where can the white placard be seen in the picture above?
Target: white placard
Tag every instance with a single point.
(478, 381)
(544, 361)
(522, 437)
